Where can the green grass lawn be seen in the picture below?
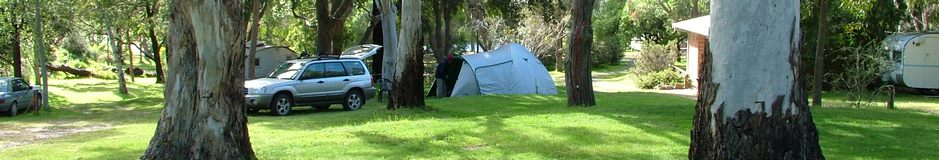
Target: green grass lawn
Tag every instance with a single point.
(633, 125)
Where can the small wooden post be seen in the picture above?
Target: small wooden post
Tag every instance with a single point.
(891, 92)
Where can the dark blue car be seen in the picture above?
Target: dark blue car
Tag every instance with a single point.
(15, 95)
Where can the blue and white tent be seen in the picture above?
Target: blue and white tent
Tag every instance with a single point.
(509, 69)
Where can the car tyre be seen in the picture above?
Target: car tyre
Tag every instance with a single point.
(354, 100)
(13, 109)
(281, 105)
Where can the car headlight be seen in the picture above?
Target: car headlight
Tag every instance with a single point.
(262, 90)
(259, 90)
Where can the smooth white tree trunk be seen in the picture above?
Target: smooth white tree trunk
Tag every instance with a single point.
(390, 35)
(40, 54)
(408, 79)
(752, 101)
(122, 84)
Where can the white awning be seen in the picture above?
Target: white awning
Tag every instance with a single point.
(698, 25)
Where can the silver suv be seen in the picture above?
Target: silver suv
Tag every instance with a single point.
(311, 82)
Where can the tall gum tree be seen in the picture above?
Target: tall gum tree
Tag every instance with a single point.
(389, 29)
(204, 115)
(408, 79)
(577, 74)
(752, 102)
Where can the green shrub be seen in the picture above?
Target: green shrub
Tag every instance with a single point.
(865, 65)
(666, 77)
(654, 58)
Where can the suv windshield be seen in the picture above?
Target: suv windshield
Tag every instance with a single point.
(286, 70)
(4, 86)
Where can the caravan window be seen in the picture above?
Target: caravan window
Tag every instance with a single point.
(897, 56)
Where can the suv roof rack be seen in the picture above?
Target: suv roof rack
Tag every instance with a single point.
(325, 57)
(332, 57)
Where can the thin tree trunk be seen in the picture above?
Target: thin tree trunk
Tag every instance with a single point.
(259, 6)
(409, 80)
(390, 35)
(116, 51)
(449, 6)
(578, 76)
(559, 58)
(476, 14)
(16, 23)
(752, 102)
(17, 52)
(130, 70)
(40, 54)
(154, 42)
(204, 115)
(437, 31)
(819, 74)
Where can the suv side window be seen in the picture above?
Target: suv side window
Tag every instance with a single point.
(355, 68)
(335, 69)
(313, 71)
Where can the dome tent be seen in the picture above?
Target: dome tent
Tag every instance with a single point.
(509, 69)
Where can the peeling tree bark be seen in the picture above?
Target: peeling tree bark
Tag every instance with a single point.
(409, 79)
(204, 115)
(752, 102)
(389, 31)
(577, 75)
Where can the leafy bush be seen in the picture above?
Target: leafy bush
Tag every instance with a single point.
(865, 65)
(666, 77)
(654, 58)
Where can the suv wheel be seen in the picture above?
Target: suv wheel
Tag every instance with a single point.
(353, 101)
(13, 109)
(281, 105)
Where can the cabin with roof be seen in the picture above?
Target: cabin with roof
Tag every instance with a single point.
(697, 29)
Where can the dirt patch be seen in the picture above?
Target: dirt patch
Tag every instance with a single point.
(30, 135)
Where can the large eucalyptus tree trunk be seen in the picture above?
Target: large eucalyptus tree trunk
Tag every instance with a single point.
(409, 70)
(204, 115)
(118, 61)
(751, 101)
(578, 76)
(389, 31)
